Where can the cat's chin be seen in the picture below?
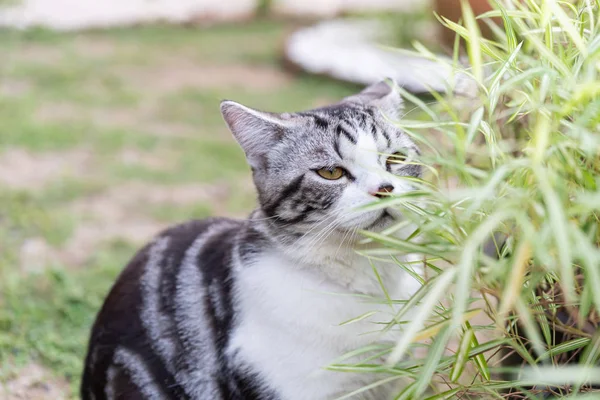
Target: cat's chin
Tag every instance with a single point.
(384, 220)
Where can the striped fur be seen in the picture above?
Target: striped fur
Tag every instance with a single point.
(224, 309)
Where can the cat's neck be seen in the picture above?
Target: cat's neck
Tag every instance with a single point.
(308, 246)
(331, 255)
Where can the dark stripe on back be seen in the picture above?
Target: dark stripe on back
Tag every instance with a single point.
(251, 243)
(250, 386)
(117, 325)
(123, 387)
(215, 262)
(181, 239)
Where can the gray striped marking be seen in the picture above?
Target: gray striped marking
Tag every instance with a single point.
(138, 372)
(200, 361)
(158, 325)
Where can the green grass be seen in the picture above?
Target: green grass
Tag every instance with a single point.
(196, 211)
(46, 317)
(77, 93)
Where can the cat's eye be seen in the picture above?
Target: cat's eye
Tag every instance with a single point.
(396, 158)
(331, 174)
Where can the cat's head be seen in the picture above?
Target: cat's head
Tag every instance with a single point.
(315, 168)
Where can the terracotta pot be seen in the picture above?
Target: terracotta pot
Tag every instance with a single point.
(451, 9)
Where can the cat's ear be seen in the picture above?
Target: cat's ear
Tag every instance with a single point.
(256, 131)
(381, 95)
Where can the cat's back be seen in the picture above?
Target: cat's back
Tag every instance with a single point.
(164, 322)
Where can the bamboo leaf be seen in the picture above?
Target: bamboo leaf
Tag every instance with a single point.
(359, 318)
(461, 355)
(434, 329)
(479, 358)
(473, 41)
(442, 282)
(570, 345)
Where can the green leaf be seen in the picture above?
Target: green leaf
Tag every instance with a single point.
(479, 358)
(438, 288)
(461, 355)
(359, 318)
(564, 347)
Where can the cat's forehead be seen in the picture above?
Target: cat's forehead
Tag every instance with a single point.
(344, 122)
(348, 132)
(337, 113)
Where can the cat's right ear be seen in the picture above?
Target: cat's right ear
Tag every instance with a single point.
(381, 95)
(256, 131)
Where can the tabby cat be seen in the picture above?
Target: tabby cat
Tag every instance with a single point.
(252, 309)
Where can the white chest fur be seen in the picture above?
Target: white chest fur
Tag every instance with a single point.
(290, 324)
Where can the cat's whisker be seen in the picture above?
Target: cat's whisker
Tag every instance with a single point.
(316, 226)
(341, 216)
(338, 217)
(322, 234)
(347, 234)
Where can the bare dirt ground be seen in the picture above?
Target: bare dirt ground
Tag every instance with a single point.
(34, 382)
(182, 73)
(20, 169)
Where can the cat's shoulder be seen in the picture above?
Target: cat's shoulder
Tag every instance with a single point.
(176, 240)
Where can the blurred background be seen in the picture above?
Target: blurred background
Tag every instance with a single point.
(110, 131)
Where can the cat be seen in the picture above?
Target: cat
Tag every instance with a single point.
(252, 309)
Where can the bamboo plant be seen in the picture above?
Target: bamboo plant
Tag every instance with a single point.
(519, 160)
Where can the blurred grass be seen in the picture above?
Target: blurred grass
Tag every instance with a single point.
(107, 94)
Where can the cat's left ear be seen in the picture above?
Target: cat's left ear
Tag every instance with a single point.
(381, 95)
(256, 131)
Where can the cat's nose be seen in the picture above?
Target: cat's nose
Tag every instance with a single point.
(383, 190)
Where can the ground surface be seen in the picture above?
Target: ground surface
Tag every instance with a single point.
(105, 139)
